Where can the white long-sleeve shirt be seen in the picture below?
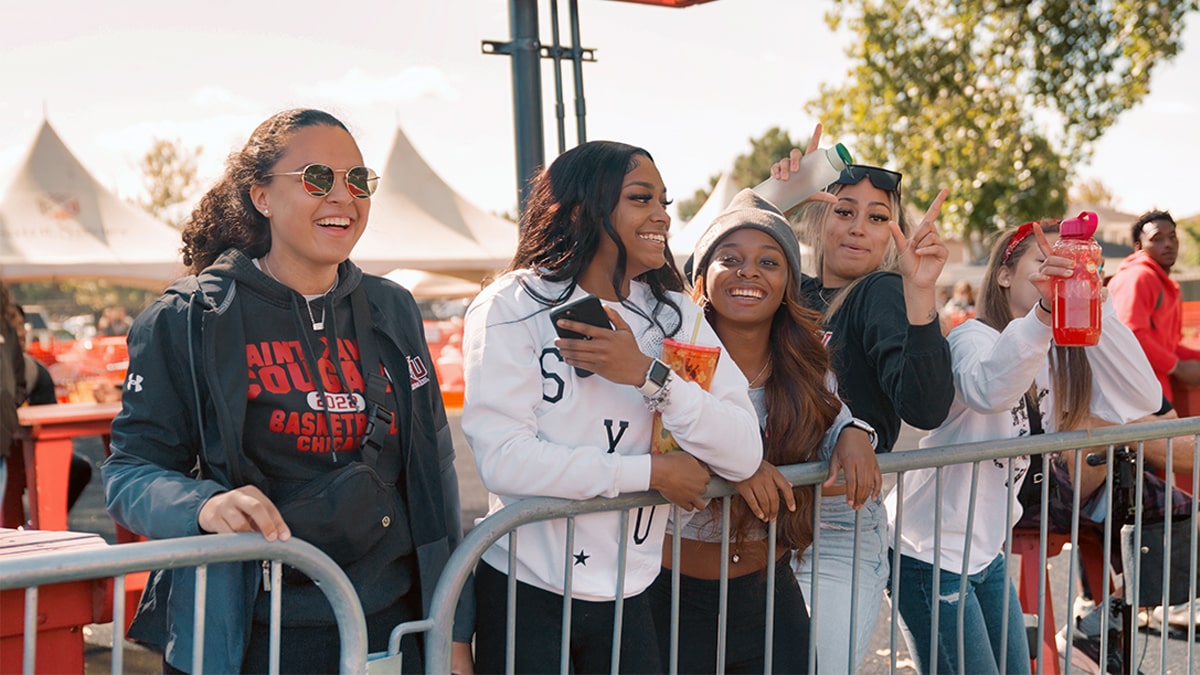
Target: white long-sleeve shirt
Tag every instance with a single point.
(992, 372)
(538, 429)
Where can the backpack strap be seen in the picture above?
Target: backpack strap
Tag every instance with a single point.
(379, 415)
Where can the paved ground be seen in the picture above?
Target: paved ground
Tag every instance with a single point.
(89, 515)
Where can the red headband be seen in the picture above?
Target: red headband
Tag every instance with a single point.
(1018, 236)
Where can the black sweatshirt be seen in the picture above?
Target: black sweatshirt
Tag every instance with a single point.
(887, 369)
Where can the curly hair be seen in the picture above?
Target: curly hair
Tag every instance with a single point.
(569, 208)
(225, 217)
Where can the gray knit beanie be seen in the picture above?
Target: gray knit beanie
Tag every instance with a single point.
(748, 210)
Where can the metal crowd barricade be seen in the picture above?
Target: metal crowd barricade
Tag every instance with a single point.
(36, 570)
(507, 521)
(1102, 441)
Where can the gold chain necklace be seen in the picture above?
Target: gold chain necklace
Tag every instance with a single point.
(766, 366)
(317, 324)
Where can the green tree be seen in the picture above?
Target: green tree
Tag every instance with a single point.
(169, 177)
(1189, 249)
(1093, 191)
(996, 100)
(749, 169)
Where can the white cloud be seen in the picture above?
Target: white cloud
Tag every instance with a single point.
(359, 88)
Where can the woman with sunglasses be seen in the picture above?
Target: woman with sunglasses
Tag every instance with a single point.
(875, 287)
(277, 369)
(1011, 380)
(595, 223)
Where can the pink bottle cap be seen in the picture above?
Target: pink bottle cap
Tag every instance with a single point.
(1083, 225)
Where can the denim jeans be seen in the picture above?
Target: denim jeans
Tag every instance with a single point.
(982, 616)
(831, 621)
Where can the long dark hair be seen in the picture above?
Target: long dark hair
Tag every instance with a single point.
(800, 408)
(1070, 372)
(569, 208)
(225, 217)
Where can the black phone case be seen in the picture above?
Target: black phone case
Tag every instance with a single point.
(585, 310)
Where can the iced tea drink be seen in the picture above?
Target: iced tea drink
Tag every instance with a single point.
(697, 363)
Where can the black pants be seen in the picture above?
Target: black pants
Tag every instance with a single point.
(318, 649)
(745, 627)
(539, 630)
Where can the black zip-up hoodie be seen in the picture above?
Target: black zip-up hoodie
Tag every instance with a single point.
(178, 440)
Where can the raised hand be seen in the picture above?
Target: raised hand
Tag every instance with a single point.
(1052, 267)
(923, 255)
(245, 509)
(784, 168)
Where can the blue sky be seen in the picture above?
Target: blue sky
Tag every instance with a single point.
(691, 85)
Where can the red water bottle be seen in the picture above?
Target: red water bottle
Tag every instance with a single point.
(1077, 297)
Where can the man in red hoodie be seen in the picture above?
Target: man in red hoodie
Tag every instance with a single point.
(1147, 300)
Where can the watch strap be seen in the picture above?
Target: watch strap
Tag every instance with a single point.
(656, 378)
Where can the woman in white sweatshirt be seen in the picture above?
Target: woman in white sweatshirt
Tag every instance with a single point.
(1007, 370)
(595, 222)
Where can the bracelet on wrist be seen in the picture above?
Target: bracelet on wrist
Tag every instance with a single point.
(659, 401)
(1042, 306)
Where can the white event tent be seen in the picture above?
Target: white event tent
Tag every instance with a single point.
(684, 238)
(419, 222)
(57, 221)
(433, 285)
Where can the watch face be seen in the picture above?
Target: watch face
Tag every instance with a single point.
(658, 372)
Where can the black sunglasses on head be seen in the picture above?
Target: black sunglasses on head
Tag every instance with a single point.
(884, 179)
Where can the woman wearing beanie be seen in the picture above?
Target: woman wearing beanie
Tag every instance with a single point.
(876, 291)
(747, 280)
(595, 223)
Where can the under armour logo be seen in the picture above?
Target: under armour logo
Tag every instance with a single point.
(133, 382)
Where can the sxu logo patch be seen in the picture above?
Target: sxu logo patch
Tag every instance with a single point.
(418, 374)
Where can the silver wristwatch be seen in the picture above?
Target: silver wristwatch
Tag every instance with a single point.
(859, 424)
(656, 378)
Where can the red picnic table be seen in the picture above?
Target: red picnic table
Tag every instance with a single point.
(46, 435)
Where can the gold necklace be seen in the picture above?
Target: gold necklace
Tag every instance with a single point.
(766, 366)
(317, 324)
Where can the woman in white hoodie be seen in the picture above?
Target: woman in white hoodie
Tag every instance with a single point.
(1010, 380)
(595, 222)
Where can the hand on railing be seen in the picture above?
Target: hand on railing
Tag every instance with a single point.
(762, 490)
(680, 478)
(854, 458)
(245, 509)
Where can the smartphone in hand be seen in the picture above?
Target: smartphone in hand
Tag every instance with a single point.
(584, 310)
